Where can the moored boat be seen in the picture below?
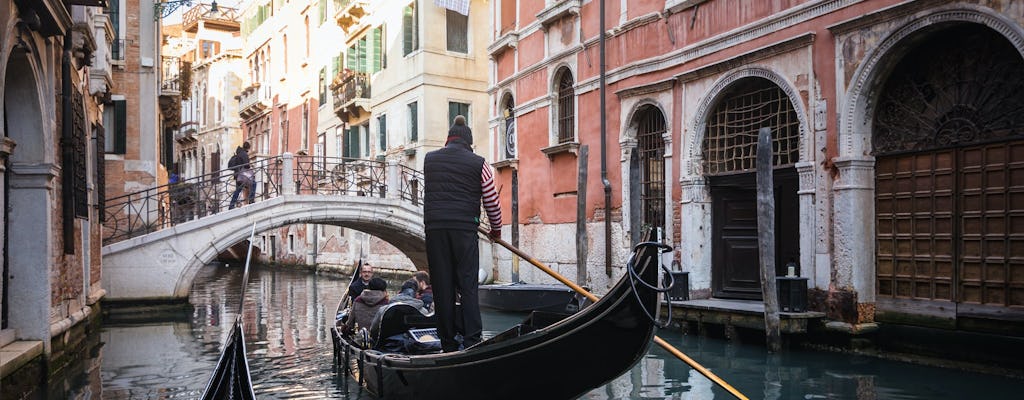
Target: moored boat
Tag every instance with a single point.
(526, 297)
(551, 355)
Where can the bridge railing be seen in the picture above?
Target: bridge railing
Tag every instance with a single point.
(165, 206)
(340, 176)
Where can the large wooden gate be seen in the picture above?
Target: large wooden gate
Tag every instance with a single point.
(949, 145)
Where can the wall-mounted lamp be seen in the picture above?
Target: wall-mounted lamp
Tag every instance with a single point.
(162, 9)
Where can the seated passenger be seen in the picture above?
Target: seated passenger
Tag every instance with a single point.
(366, 305)
(423, 290)
(407, 295)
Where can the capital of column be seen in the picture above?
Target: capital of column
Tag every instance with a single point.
(855, 173)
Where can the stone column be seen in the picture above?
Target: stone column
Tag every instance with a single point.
(806, 192)
(287, 174)
(6, 148)
(393, 179)
(31, 251)
(853, 285)
(695, 226)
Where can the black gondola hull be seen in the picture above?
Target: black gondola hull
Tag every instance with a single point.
(562, 361)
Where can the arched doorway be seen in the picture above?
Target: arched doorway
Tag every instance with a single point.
(948, 138)
(729, 149)
(28, 202)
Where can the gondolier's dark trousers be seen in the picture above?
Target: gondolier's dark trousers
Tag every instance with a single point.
(454, 257)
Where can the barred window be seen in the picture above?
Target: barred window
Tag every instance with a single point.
(566, 107)
(730, 140)
(651, 151)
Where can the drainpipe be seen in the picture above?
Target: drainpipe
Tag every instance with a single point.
(67, 151)
(604, 155)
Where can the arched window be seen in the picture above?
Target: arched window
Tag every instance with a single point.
(651, 152)
(509, 135)
(566, 109)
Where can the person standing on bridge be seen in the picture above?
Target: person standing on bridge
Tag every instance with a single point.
(456, 181)
(244, 175)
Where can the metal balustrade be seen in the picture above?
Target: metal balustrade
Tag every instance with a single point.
(162, 207)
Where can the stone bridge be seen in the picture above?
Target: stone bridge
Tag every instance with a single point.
(155, 241)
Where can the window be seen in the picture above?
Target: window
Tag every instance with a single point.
(305, 126)
(455, 108)
(114, 13)
(458, 32)
(323, 87)
(410, 29)
(284, 43)
(365, 139)
(291, 242)
(323, 11)
(730, 138)
(116, 117)
(414, 122)
(368, 53)
(651, 151)
(352, 145)
(566, 108)
(382, 132)
(307, 36)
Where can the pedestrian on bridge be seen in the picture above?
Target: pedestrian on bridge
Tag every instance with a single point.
(244, 175)
(456, 181)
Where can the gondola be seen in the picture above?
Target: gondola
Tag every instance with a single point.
(231, 379)
(526, 297)
(551, 356)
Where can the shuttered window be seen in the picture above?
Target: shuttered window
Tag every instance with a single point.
(410, 29)
(458, 32)
(379, 54)
(455, 108)
(382, 132)
(323, 86)
(117, 142)
(414, 122)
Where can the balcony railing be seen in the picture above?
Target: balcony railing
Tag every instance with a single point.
(254, 100)
(349, 87)
(170, 82)
(226, 17)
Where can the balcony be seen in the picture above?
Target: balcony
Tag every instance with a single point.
(225, 18)
(558, 9)
(254, 101)
(170, 91)
(170, 81)
(349, 12)
(507, 41)
(351, 91)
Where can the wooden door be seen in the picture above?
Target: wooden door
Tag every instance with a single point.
(735, 267)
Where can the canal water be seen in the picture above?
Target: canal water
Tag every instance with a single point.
(287, 315)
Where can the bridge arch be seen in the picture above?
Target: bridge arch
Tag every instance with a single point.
(163, 264)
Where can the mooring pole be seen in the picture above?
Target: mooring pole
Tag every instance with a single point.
(766, 238)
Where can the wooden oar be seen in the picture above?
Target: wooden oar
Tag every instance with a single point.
(661, 342)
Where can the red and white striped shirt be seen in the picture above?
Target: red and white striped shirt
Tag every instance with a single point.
(490, 197)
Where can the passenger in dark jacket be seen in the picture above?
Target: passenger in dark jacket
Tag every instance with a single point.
(366, 305)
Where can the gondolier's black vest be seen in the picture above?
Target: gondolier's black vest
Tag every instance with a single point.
(452, 187)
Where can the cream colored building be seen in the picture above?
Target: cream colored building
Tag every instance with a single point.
(429, 64)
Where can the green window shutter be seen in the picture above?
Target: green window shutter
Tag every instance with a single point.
(323, 86)
(413, 122)
(350, 58)
(323, 11)
(120, 126)
(361, 48)
(382, 139)
(336, 65)
(409, 29)
(378, 49)
(454, 109)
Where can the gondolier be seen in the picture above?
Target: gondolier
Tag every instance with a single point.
(456, 181)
